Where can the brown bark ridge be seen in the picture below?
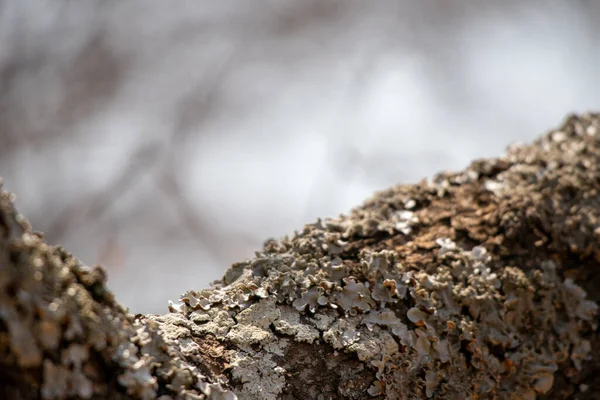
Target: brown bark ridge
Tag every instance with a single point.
(481, 284)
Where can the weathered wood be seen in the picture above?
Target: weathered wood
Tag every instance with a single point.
(481, 284)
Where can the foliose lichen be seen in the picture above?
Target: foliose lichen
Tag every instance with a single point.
(62, 335)
(476, 285)
(442, 290)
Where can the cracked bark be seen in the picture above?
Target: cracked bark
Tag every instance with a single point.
(480, 284)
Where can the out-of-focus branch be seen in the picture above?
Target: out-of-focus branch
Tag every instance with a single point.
(91, 208)
(199, 225)
(90, 80)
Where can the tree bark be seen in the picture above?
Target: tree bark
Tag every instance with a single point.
(481, 284)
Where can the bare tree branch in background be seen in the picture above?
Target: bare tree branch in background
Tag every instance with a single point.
(92, 78)
(105, 108)
(91, 209)
(192, 111)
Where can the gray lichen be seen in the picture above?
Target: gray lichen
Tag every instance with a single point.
(64, 336)
(465, 323)
(490, 342)
(474, 286)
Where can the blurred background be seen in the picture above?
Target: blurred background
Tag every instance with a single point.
(166, 140)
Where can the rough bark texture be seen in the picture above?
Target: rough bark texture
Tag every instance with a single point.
(481, 284)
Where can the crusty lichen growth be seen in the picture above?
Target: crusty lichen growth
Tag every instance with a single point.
(477, 285)
(456, 289)
(62, 335)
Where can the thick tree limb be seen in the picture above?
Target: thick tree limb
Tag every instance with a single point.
(480, 285)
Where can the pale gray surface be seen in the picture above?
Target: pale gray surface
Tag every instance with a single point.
(167, 140)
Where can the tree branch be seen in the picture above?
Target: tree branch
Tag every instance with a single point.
(477, 285)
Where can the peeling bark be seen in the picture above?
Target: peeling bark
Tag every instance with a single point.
(480, 284)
